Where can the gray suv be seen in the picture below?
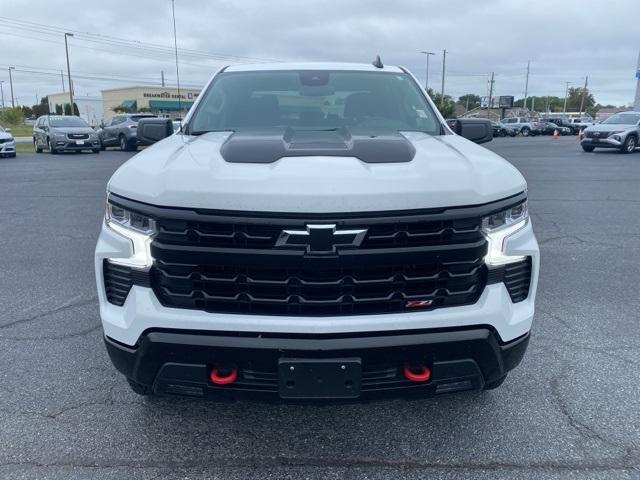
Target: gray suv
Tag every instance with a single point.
(57, 133)
(121, 131)
(620, 131)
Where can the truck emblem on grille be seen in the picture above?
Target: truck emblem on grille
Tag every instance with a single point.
(321, 239)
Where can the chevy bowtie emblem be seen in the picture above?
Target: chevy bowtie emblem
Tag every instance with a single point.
(321, 239)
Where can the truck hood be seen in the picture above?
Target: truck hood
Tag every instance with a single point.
(189, 171)
(609, 128)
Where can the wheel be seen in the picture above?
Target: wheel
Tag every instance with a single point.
(503, 133)
(52, 150)
(124, 145)
(629, 145)
(513, 133)
(35, 146)
(588, 148)
(495, 383)
(102, 147)
(525, 132)
(96, 150)
(139, 388)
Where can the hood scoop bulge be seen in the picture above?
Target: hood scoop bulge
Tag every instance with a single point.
(268, 146)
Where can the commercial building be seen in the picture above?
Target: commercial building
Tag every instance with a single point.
(89, 108)
(162, 101)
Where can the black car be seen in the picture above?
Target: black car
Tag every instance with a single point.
(59, 133)
(562, 122)
(547, 128)
(501, 130)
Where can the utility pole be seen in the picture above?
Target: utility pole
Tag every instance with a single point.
(2, 93)
(566, 94)
(444, 63)
(13, 102)
(66, 48)
(584, 92)
(526, 85)
(491, 82)
(162, 77)
(636, 103)
(426, 82)
(62, 80)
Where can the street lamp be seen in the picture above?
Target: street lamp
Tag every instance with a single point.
(426, 82)
(66, 48)
(13, 102)
(566, 93)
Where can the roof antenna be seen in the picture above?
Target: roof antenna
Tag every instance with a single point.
(175, 46)
(377, 62)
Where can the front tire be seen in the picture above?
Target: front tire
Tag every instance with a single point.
(525, 132)
(588, 148)
(629, 145)
(35, 146)
(124, 145)
(52, 150)
(96, 150)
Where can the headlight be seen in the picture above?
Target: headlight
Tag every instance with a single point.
(137, 228)
(498, 227)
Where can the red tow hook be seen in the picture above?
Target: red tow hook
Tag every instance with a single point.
(420, 373)
(223, 376)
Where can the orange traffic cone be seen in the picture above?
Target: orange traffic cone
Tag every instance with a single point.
(555, 134)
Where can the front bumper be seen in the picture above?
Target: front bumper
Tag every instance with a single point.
(68, 144)
(179, 362)
(8, 148)
(613, 141)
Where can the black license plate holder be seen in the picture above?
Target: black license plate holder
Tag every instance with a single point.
(301, 378)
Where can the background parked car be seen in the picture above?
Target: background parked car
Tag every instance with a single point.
(522, 125)
(7, 143)
(121, 131)
(57, 133)
(621, 131)
(562, 122)
(547, 128)
(581, 123)
(501, 130)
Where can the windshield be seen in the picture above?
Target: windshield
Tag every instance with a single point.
(623, 119)
(58, 122)
(313, 100)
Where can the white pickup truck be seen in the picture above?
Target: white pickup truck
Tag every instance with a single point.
(315, 232)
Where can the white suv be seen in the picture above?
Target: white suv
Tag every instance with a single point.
(315, 232)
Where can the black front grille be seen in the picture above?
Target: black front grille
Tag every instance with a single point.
(78, 136)
(228, 262)
(597, 135)
(318, 291)
(242, 234)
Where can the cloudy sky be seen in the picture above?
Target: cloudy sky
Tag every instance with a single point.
(119, 43)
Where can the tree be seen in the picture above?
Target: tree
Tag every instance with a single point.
(76, 111)
(42, 108)
(470, 99)
(12, 116)
(574, 100)
(447, 107)
(58, 109)
(67, 109)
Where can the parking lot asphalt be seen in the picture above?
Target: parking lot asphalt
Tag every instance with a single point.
(571, 410)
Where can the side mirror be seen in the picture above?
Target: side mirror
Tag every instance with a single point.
(8, 130)
(152, 130)
(478, 130)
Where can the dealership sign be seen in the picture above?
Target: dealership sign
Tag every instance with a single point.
(182, 96)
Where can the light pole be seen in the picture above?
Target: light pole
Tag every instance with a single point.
(566, 94)
(444, 64)
(13, 102)
(426, 82)
(2, 93)
(636, 103)
(66, 47)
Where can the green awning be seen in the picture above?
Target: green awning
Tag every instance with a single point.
(168, 105)
(129, 104)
